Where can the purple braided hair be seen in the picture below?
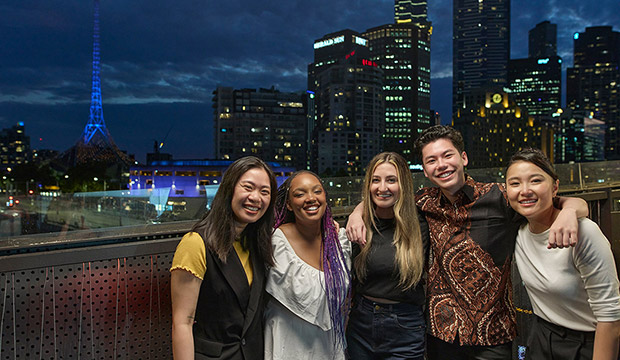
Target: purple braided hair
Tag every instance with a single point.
(336, 274)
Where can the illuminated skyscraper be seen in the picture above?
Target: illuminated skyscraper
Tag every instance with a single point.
(348, 104)
(593, 83)
(481, 46)
(581, 138)
(14, 146)
(402, 51)
(536, 82)
(265, 123)
(410, 11)
(494, 127)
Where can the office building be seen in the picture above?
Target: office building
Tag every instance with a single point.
(581, 138)
(543, 40)
(347, 89)
(410, 11)
(188, 178)
(14, 146)
(593, 83)
(536, 84)
(332, 48)
(481, 46)
(265, 123)
(494, 127)
(402, 51)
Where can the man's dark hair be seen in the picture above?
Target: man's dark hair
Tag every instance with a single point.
(435, 133)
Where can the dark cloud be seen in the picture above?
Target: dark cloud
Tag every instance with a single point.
(161, 60)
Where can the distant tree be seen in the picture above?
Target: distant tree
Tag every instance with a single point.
(30, 176)
(81, 178)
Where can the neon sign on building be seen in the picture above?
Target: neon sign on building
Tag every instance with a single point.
(329, 42)
(369, 63)
(360, 41)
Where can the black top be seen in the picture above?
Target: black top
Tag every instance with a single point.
(382, 274)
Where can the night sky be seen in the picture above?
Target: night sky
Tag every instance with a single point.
(161, 59)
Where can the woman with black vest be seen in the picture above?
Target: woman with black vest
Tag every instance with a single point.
(218, 270)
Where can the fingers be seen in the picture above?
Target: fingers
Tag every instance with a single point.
(551, 244)
(337, 226)
(356, 234)
(363, 236)
(562, 238)
(573, 238)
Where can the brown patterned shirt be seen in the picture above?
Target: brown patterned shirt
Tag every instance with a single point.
(471, 244)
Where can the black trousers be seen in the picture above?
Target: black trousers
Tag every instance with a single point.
(437, 349)
(548, 341)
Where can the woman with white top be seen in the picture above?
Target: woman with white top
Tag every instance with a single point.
(309, 283)
(573, 291)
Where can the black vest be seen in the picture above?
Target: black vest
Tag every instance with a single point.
(229, 313)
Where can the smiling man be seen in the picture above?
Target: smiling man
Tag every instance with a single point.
(472, 233)
(472, 237)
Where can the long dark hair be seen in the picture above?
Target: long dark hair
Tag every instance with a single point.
(336, 274)
(217, 228)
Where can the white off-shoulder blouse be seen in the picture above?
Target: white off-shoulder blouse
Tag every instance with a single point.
(297, 322)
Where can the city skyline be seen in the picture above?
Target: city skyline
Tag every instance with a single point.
(160, 64)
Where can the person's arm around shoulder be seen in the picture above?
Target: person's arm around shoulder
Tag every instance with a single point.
(563, 231)
(184, 288)
(606, 340)
(356, 230)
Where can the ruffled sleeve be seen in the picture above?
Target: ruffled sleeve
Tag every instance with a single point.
(296, 285)
(190, 255)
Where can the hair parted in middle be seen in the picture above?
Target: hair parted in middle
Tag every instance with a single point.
(337, 275)
(407, 236)
(217, 227)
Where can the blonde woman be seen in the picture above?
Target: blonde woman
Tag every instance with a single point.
(387, 319)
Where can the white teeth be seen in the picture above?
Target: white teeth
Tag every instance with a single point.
(385, 195)
(251, 208)
(313, 208)
(446, 174)
(527, 201)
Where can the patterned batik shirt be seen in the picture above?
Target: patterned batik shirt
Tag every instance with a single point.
(469, 290)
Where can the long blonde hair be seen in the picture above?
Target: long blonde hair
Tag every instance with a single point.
(407, 236)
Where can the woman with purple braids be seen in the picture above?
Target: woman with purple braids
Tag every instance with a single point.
(309, 283)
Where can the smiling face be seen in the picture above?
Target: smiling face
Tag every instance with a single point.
(384, 189)
(530, 192)
(306, 198)
(444, 166)
(251, 197)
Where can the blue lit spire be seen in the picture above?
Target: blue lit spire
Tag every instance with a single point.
(95, 121)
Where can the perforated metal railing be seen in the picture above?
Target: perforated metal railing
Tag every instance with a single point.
(106, 296)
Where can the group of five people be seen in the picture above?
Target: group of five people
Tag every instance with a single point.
(428, 274)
